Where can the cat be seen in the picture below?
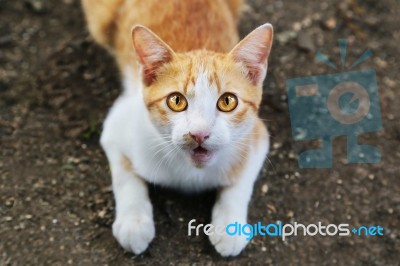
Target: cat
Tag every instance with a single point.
(188, 115)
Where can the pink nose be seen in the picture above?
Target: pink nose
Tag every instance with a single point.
(199, 137)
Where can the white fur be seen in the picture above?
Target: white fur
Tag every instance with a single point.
(157, 156)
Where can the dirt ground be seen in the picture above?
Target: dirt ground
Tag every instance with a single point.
(56, 85)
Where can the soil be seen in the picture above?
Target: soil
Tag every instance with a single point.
(56, 85)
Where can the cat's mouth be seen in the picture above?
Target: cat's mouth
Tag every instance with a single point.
(201, 155)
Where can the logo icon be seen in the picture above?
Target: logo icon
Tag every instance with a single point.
(342, 104)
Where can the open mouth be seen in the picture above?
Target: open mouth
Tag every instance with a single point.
(201, 155)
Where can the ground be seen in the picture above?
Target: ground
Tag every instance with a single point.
(56, 85)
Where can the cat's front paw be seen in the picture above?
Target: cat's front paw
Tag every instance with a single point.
(227, 245)
(134, 232)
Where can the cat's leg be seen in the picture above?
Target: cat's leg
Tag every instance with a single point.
(133, 226)
(231, 207)
(232, 204)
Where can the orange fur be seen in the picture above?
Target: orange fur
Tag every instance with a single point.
(195, 91)
(126, 164)
(253, 139)
(100, 17)
(183, 36)
(184, 25)
(236, 7)
(223, 72)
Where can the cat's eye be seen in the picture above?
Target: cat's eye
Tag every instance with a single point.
(177, 102)
(227, 102)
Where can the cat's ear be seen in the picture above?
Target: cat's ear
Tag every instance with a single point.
(253, 52)
(151, 51)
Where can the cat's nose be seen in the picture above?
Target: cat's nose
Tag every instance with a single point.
(199, 137)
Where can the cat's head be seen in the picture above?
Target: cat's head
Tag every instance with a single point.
(203, 102)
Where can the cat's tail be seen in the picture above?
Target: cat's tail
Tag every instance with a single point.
(101, 16)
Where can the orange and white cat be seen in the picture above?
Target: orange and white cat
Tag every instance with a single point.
(187, 117)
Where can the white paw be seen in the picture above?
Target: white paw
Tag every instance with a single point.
(134, 232)
(227, 245)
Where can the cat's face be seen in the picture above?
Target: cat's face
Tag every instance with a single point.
(203, 102)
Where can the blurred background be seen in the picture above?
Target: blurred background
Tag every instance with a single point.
(56, 85)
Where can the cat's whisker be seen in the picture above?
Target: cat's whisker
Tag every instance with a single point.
(163, 65)
(167, 145)
(241, 155)
(163, 149)
(172, 157)
(267, 120)
(158, 142)
(257, 134)
(160, 138)
(243, 136)
(165, 156)
(273, 167)
(243, 148)
(159, 147)
(155, 171)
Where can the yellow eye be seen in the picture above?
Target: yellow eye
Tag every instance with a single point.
(177, 102)
(227, 102)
